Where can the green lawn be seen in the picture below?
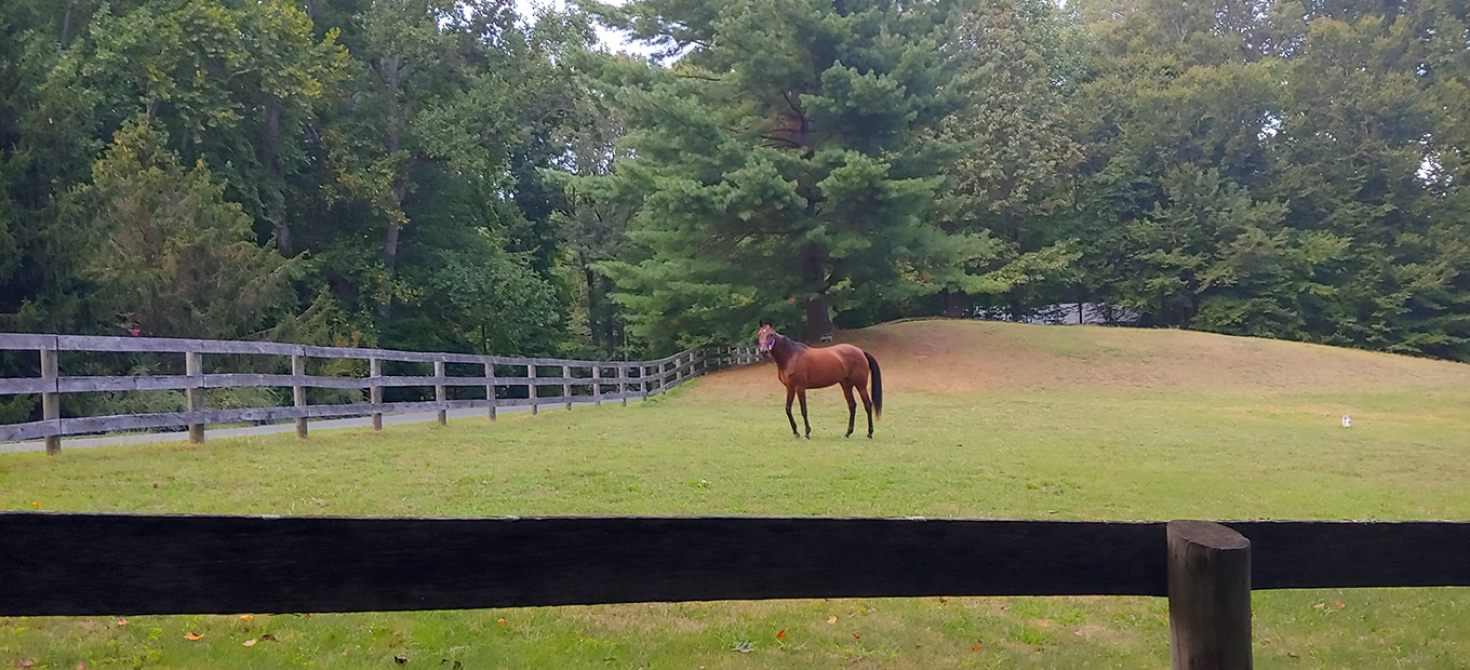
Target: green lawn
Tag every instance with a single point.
(1096, 449)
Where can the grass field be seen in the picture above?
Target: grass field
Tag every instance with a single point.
(982, 420)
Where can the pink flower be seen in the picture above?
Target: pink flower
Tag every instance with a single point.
(135, 332)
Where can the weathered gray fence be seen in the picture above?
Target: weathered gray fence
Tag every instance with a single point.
(589, 381)
(65, 564)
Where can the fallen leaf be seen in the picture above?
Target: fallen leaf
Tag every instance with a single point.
(24, 663)
(1381, 641)
(36, 504)
(500, 622)
(246, 617)
(781, 635)
(249, 643)
(81, 666)
(1319, 606)
(832, 619)
(943, 600)
(400, 659)
(192, 636)
(1339, 604)
(122, 622)
(1078, 633)
(155, 486)
(975, 648)
(267, 638)
(855, 636)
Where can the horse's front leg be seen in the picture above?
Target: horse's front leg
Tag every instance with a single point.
(790, 395)
(801, 394)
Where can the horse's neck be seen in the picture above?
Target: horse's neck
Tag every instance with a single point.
(785, 350)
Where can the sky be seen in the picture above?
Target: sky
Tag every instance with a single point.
(613, 40)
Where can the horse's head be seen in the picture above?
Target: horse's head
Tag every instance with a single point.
(767, 338)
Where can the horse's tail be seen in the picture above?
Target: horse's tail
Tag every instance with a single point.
(877, 385)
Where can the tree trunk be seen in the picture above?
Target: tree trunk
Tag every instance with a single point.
(956, 304)
(398, 188)
(592, 324)
(66, 25)
(276, 200)
(818, 322)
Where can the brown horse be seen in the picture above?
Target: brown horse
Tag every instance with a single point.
(801, 367)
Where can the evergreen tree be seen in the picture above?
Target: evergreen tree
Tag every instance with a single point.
(787, 163)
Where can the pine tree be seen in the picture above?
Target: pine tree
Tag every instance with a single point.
(788, 163)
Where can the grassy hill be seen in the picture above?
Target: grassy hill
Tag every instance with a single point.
(981, 420)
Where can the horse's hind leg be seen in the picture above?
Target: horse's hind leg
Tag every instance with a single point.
(801, 395)
(867, 407)
(851, 407)
(790, 395)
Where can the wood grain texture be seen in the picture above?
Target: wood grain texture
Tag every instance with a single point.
(1209, 597)
(51, 402)
(19, 385)
(26, 341)
(84, 564)
(298, 394)
(375, 389)
(194, 368)
(28, 430)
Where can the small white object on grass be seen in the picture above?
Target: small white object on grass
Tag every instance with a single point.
(1347, 421)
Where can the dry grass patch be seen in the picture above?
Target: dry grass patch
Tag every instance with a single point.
(949, 357)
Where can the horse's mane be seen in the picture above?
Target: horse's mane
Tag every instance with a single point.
(796, 346)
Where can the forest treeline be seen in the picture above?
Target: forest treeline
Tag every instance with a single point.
(451, 176)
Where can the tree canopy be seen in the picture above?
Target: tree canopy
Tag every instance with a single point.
(448, 174)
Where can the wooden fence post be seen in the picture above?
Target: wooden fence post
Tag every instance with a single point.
(51, 401)
(531, 372)
(643, 380)
(298, 392)
(490, 388)
(566, 386)
(597, 384)
(623, 382)
(1209, 597)
(375, 392)
(194, 368)
(439, 394)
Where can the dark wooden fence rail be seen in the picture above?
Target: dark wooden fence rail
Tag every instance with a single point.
(59, 564)
(594, 381)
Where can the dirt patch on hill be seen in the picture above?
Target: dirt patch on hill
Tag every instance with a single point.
(943, 356)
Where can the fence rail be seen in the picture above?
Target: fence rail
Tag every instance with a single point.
(84, 564)
(594, 381)
(65, 564)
